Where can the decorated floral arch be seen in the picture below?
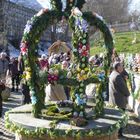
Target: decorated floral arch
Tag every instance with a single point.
(81, 76)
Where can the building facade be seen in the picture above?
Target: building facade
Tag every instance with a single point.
(13, 18)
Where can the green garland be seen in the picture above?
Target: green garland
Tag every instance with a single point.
(55, 133)
(99, 108)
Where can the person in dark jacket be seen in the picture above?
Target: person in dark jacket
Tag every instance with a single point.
(3, 65)
(26, 93)
(118, 91)
(14, 73)
(125, 75)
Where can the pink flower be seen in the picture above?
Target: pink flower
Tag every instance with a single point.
(24, 50)
(49, 79)
(55, 78)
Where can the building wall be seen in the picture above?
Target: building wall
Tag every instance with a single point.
(1, 16)
(3, 40)
(15, 19)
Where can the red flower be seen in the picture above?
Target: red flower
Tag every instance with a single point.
(49, 79)
(24, 49)
(52, 78)
(85, 53)
(55, 78)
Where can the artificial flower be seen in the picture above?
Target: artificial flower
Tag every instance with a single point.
(56, 72)
(84, 25)
(84, 41)
(82, 72)
(77, 22)
(76, 12)
(27, 28)
(28, 75)
(84, 47)
(52, 78)
(32, 92)
(85, 53)
(33, 100)
(81, 114)
(78, 100)
(69, 74)
(75, 114)
(81, 85)
(41, 12)
(24, 50)
(51, 71)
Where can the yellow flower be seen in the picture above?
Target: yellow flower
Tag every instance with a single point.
(78, 69)
(27, 69)
(86, 69)
(84, 76)
(82, 72)
(28, 75)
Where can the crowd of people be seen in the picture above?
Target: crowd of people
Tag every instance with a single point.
(55, 92)
(12, 69)
(132, 61)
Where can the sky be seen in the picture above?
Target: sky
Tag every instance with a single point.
(44, 3)
(38, 4)
(135, 4)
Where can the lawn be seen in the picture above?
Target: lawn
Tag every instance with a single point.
(123, 43)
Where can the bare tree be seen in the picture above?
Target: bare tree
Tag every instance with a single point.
(112, 10)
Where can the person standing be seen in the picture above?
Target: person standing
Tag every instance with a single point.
(4, 65)
(44, 62)
(24, 86)
(14, 73)
(118, 91)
